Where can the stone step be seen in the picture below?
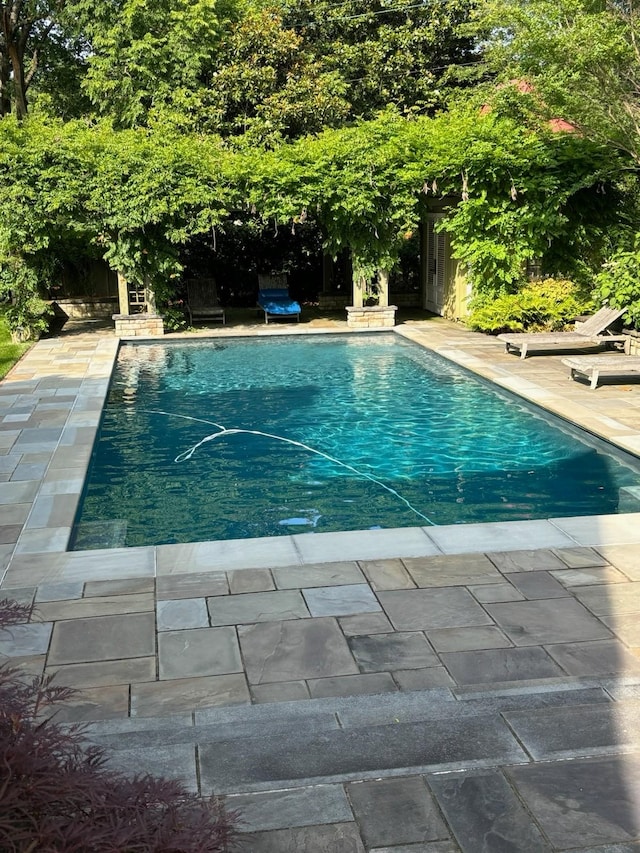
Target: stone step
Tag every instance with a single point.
(293, 744)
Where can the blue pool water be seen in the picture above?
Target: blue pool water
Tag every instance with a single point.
(271, 436)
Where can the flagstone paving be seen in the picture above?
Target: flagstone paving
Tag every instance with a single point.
(464, 688)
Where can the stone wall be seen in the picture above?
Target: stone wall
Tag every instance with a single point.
(333, 301)
(138, 325)
(373, 317)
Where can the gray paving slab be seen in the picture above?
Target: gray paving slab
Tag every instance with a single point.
(95, 703)
(250, 580)
(580, 557)
(625, 626)
(291, 650)
(195, 652)
(422, 679)
(384, 652)
(584, 802)
(334, 838)
(103, 673)
(589, 576)
(314, 806)
(561, 620)
(280, 691)
(21, 640)
(449, 570)
(530, 560)
(610, 601)
(110, 605)
(537, 585)
(422, 609)
(486, 815)
(103, 638)
(387, 574)
(595, 658)
(357, 754)
(174, 614)
(579, 730)
(319, 574)
(197, 585)
(467, 639)
(396, 811)
(127, 586)
(257, 607)
(352, 685)
(59, 591)
(491, 665)
(188, 694)
(341, 600)
(365, 623)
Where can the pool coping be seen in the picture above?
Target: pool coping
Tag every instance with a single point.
(53, 403)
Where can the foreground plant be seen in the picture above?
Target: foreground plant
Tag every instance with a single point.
(58, 794)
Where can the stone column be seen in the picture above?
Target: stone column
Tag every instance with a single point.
(123, 294)
(383, 288)
(359, 285)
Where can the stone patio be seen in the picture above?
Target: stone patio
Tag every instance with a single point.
(426, 690)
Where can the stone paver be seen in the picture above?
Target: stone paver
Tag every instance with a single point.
(179, 613)
(103, 638)
(583, 803)
(386, 652)
(257, 607)
(485, 814)
(494, 665)
(553, 621)
(341, 600)
(198, 651)
(286, 651)
(396, 811)
(421, 609)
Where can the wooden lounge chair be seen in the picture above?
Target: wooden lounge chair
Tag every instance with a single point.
(593, 367)
(202, 300)
(591, 333)
(274, 299)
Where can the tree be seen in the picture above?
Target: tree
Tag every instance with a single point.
(582, 58)
(150, 60)
(386, 53)
(26, 25)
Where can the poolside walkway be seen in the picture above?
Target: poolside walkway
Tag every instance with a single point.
(427, 690)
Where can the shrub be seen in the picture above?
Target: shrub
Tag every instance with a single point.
(58, 794)
(618, 283)
(546, 305)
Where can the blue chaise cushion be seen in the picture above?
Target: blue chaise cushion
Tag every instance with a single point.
(277, 301)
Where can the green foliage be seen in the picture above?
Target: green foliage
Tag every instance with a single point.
(546, 305)
(386, 53)
(581, 57)
(149, 60)
(174, 318)
(10, 352)
(618, 283)
(27, 314)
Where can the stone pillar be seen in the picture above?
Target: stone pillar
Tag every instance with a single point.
(359, 284)
(383, 288)
(123, 294)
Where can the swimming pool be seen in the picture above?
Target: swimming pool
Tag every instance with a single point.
(249, 437)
